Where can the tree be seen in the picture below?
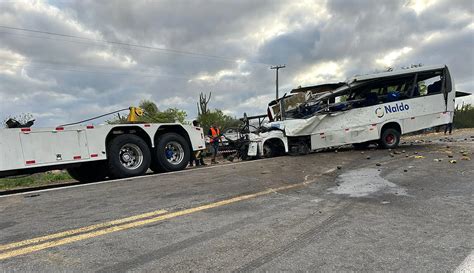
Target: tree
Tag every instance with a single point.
(203, 102)
(218, 118)
(153, 115)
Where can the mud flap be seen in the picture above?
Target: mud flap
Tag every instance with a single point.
(253, 146)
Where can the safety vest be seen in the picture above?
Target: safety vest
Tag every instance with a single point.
(214, 133)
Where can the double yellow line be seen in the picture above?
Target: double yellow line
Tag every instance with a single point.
(70, 236)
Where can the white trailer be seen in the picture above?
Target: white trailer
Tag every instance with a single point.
(92, 153)
(375, 108)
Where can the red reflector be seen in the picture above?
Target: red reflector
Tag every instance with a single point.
(200, 146)
(413, 118)
(90, 126)
(347, 129)
(94, 155)
(197, 128)
(25, 129)
(30, 161)
(147, 125)
(59, 128)
(77, 157)
(321, 134)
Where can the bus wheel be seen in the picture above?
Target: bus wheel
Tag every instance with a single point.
(390, 138)
(268, 150)
(172, 153)
(128, 155)
(89, 172)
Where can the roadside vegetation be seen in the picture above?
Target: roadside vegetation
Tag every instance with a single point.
(464, 116)
(35, 180)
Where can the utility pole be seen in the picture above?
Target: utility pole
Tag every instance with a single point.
(277, 67)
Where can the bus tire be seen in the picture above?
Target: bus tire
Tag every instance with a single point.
(171, 153)
(268, 150)
(89, 172)
(390, 139)
(128, 155)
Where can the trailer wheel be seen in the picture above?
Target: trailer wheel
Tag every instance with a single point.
(171, 153)
(390, 138)
(128, 155)
(89, 172)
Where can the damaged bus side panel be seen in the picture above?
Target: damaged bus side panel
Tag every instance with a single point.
(366, 109)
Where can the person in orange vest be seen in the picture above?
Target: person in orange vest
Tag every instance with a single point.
(214, 136)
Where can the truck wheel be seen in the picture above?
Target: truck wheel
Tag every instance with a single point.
(171, 153)
(89, 172)
(128, 155)
(389, 139)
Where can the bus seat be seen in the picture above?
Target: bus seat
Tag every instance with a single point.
(371, 99)
(393, 96)
(416, 92)
(434, 87)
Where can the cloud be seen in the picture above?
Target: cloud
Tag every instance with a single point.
(213, 46)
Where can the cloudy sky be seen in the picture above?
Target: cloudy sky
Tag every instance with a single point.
(112, 54)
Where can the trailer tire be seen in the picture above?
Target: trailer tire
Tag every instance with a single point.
(128, 155)
(89, 172)
(390, 138)
(171, 153)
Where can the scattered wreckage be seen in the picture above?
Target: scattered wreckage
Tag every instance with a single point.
(366, 109)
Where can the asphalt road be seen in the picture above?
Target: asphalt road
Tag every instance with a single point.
(410, 213)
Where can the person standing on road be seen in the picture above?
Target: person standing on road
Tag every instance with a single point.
(198, 156)
(449, 126)
(214, 136)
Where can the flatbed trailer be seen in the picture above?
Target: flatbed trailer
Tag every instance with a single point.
(94, 152)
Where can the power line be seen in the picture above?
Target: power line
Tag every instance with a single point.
(33, 66)
(163, 50)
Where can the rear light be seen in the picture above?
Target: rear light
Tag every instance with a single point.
(25, 129)
(77, 157)
(147, 125)
(90, 126)
(28, 162)
(94, 155)
(59, 128)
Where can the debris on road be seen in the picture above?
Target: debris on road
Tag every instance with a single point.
(453, 161)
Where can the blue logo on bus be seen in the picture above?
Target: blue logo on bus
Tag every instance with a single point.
(398, 107)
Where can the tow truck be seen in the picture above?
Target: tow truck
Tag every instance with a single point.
(94, 152)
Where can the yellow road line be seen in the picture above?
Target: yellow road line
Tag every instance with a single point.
(34, 248)
(80, 230)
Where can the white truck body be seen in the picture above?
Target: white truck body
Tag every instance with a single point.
(362, 124)
(29, 148)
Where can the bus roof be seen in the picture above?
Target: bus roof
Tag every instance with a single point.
(395, 73)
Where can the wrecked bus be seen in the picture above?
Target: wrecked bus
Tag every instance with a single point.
(366, 109)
